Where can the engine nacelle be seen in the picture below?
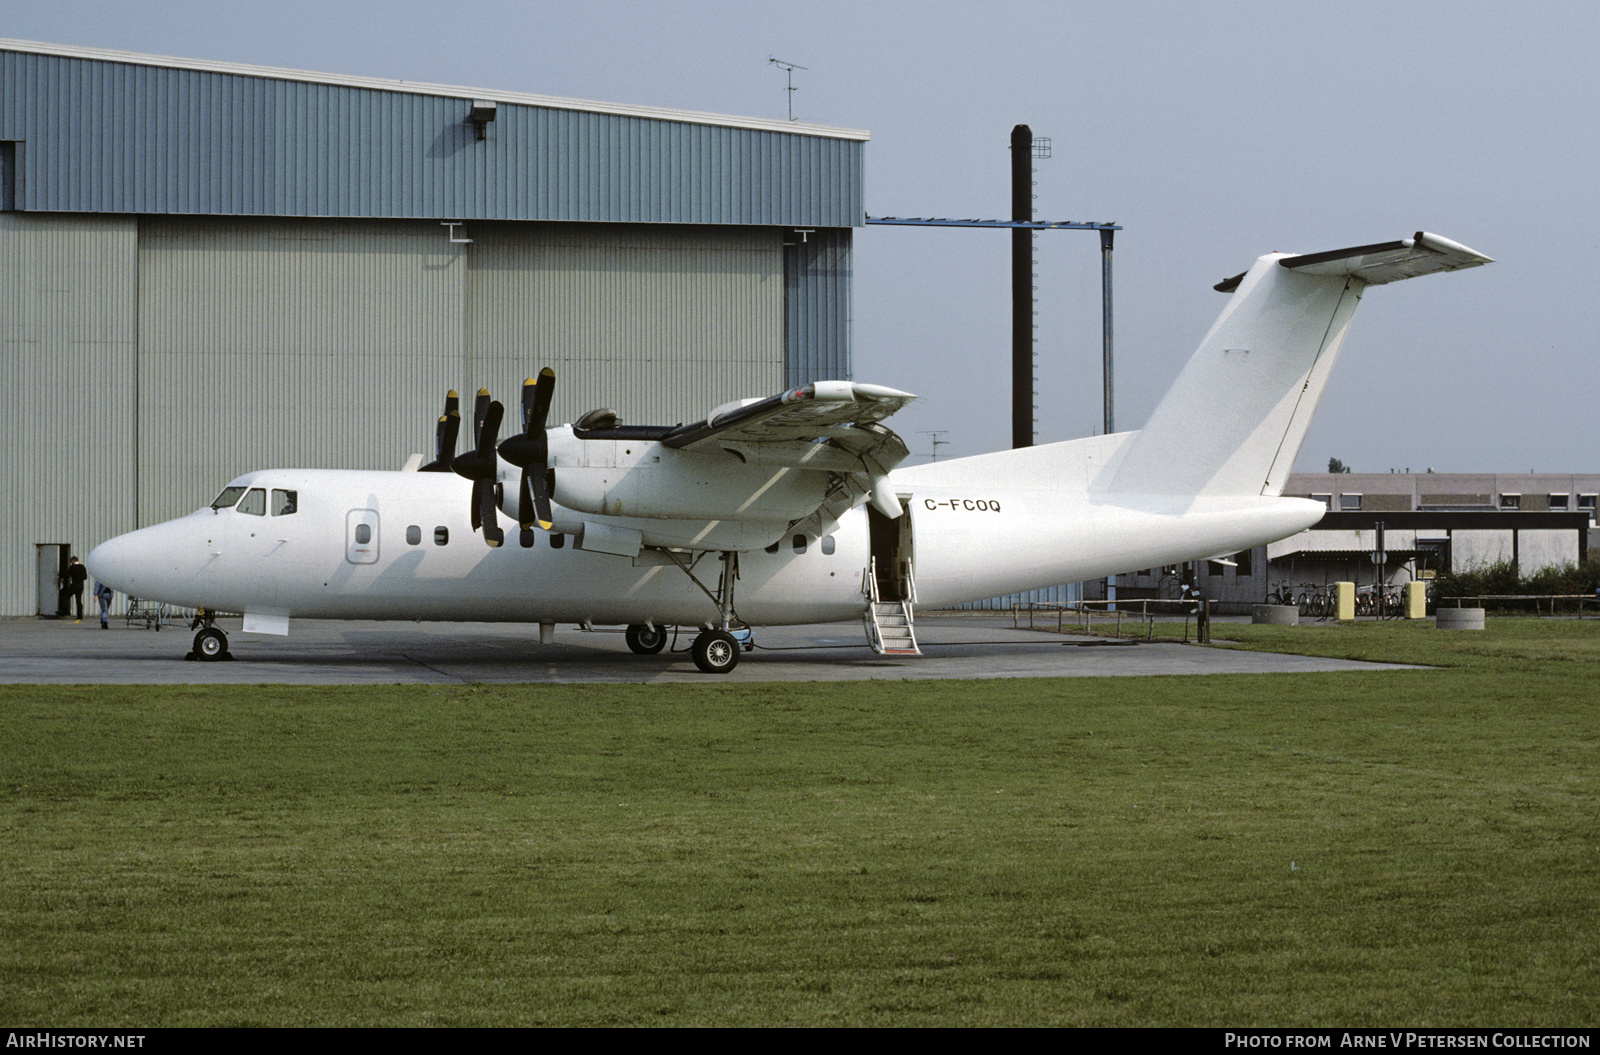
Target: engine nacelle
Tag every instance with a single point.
(631, 478)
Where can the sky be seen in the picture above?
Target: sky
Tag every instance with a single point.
(1211, 133)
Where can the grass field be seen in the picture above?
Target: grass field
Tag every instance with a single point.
(1414, 847)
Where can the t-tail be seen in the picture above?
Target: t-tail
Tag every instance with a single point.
(1234, 420)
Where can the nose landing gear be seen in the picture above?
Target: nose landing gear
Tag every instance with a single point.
(210, 644)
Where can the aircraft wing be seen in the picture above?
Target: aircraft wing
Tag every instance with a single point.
(830, 426)
(794, 421)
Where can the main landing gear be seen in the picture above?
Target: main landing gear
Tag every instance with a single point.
(716, 648)
(715, 651)
(646, 640)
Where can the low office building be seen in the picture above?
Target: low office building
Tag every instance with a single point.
(1431, 522)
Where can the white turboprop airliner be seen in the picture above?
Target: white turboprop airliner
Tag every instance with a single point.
(782, 510)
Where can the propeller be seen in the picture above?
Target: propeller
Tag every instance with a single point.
(444, 437)
(530, 452)
(480, 465)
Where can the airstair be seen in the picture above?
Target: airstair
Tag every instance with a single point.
(889, 623)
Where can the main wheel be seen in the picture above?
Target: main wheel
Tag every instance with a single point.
(716, 651)
(211, 644)
(646, 640)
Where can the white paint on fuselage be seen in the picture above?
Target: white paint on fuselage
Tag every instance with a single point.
(298, 564)
(970, 542)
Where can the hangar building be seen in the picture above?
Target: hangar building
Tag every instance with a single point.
(209, 268)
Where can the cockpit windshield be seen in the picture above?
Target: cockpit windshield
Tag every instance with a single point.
(228, 497)
(254, 502)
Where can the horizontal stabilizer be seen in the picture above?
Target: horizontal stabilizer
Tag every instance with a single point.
(1421, 254)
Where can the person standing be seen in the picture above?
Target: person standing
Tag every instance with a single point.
(103, 594)
(72, 587)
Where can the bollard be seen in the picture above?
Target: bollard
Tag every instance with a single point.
(1459, 619)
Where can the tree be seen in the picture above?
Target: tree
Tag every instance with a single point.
(1336, 466)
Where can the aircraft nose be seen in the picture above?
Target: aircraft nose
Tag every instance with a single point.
(116, 562)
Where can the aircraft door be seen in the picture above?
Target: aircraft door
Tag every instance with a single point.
(361, 536)
(891, 552)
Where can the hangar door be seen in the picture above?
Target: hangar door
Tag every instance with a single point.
(288, 342)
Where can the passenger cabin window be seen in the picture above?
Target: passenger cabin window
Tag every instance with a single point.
(254, 502)
(363, 534)
(284, 502)
(414, 535)
(228, 498)
(828, 545)
(799, 543)
(441, 536)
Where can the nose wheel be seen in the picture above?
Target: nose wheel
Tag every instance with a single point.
(210, 644)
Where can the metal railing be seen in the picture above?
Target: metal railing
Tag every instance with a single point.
(1145, 609)
(1582, 599)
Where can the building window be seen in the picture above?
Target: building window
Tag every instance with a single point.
(1510, 501)
(1587, 502)
(1558, 503)
(1326, 500)
(1242, 559)
(8, 177)
(1349, 503)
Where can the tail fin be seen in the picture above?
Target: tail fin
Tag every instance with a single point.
(1265, 362)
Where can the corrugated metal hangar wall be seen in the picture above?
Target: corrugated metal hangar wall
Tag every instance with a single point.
(214, 269)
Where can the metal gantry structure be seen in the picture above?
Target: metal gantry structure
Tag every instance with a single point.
(1107, 235)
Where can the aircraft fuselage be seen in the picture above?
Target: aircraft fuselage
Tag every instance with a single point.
(399, 545)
